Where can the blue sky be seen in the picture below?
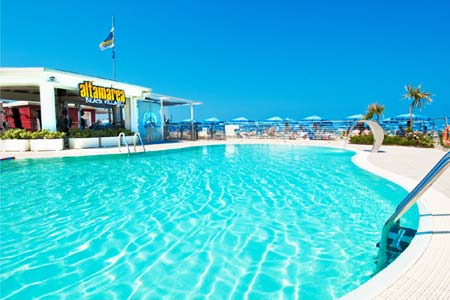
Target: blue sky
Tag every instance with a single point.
(252, 58)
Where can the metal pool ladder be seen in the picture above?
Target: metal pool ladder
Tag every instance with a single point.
(138, 135)
(393, 236)
(135, 137)
(124, 141)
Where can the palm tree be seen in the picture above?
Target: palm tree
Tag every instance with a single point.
(416, 96)
(374, 109)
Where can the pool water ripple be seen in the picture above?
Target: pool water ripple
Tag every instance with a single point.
(221, 222)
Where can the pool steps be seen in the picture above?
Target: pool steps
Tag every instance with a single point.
(392, 230)
(398, 240)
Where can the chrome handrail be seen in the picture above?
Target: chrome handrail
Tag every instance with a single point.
(125, 141)
(138, 135)
(409, 201)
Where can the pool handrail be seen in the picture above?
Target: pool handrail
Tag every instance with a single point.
(138, 135)
(408, 202)
(125, 141)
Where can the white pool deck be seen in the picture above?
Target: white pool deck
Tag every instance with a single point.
(423, 270)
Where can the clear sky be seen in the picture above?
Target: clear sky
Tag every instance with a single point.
(246, 58)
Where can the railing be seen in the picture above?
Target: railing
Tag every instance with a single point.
(137, 135)
(312, 130)
(125, 141)
(409, 201)
(196, 132)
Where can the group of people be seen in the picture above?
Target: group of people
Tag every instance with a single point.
(358, 129)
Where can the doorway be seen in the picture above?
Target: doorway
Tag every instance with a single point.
(16, 117)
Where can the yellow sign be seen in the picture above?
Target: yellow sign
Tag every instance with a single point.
(101, 95)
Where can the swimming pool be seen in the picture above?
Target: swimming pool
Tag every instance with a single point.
(218, 222)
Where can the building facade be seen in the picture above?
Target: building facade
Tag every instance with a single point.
(34, 99)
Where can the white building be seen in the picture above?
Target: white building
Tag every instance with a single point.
(131, 106)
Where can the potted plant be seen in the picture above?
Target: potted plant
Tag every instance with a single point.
(80, 139)
(15, 140)
(45, 140)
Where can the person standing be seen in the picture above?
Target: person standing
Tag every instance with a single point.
(63, 124)
(83, 123)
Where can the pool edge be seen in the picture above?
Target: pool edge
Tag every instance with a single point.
(389, 275)
(377, 284)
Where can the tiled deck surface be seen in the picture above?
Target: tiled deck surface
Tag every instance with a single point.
(429, 275)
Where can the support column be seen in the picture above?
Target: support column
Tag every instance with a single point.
(161, 116)
(133, 113)
(127, 114)
(2, 119)
(77, 106)
(48, 109)
(192, 123)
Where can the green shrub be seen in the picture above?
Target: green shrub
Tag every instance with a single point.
(76, 133)
(362, 139)
(25, 135)
(411, 139)
(47, 134)
(54, 135)
(115, 131)
(21, 134)
(87, 133)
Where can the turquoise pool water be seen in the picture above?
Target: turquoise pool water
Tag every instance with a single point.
(219, 222)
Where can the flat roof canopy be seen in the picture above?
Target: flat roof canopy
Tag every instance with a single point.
(25, 93)
(23, 84)
(171, 101)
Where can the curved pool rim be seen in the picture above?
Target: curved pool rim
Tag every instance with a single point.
(392, 273)
(374, 286)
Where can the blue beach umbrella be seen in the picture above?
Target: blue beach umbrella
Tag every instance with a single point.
(355, 117)
(188, 121)
(405, 117)
(241, 119)
(275, 119)
(212, 120)
(313, 118)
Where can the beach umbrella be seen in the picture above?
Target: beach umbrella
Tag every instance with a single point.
(390, 121)
(188, 121)
(289, 120)
(313, 118)
(275, 119)
(355, 117)
(405, 117)
(212, 120)
(241, 119)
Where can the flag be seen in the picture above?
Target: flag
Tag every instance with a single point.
(108, 42)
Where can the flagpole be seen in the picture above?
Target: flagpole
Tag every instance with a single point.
(114, 51)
